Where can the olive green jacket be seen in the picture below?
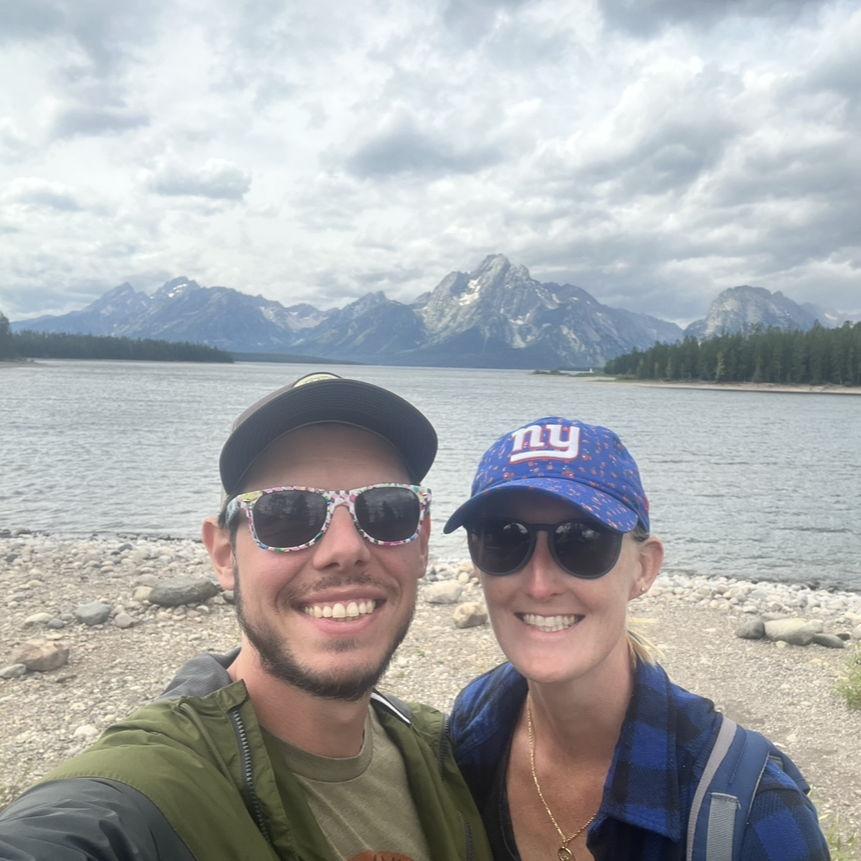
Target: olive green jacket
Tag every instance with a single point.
(189, 777)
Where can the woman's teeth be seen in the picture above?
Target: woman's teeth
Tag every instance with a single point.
(339, 610)
(549, 623)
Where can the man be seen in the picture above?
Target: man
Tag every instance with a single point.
(282, 749)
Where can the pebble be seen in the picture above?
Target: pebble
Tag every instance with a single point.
(186, 590)
(13, 671)
(443, 592)
(797, 632)
(142, 593)
(93, 613)
(470, 614)
(86, 731)
(123, 620)
(41, 655)
(751, 628)
(830, 641)
(37, 620)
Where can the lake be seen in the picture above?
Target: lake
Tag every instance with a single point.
(743, 484)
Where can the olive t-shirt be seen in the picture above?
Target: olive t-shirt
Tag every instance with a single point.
(362, 803)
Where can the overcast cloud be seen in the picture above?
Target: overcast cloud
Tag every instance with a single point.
(653, 153)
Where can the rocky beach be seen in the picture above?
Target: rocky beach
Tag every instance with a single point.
(109, 619)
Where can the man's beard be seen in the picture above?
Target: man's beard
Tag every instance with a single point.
(278, 660)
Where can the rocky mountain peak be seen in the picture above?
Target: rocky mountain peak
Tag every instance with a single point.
(368, 302)
(175, 288)
(743, 308)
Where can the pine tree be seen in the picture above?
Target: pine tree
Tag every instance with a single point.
(7, 344)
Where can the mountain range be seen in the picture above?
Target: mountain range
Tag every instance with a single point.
(495, 316)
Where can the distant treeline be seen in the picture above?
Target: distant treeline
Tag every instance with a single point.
(815, 357)
(49, 345)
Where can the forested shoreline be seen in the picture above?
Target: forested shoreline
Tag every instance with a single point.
(59, 345)
(818, 356)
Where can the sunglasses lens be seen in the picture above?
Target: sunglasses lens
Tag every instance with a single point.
(585, 549)
(499, 547)
(388, 513)
(289, 518)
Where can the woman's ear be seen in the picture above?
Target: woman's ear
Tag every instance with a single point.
(650, 559)
(220, 548)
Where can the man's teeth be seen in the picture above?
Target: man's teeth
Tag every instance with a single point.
(549, 623)
(339, 610)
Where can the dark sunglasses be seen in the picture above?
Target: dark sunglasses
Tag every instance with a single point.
(501, 546)
(293, 518)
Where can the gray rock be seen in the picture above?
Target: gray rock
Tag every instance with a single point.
(146, 580)
(56, 624)
(94, 613)
(469, 615)
(187, 590)
(13, 671)
(830, 641)
(751, 628)
(444, 592)
(856, 633)
(228, 596)
(41, 655)
(123, 620)
(796, 632)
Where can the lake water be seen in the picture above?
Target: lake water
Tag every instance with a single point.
(750, 485)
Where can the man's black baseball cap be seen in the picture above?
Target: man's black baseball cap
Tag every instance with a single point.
(326, 397)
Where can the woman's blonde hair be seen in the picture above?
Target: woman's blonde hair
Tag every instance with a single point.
(640, 647)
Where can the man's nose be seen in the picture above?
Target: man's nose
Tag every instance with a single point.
(342, 545)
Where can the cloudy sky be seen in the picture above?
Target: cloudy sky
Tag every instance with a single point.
(653, 152)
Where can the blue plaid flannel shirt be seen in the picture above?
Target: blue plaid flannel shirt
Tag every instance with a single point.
(665, 740)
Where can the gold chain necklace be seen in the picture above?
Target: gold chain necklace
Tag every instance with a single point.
(565, 853)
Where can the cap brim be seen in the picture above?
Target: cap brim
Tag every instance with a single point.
(601, 506)
(336, 400)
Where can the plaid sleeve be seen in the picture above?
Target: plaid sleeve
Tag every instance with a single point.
(783, 824)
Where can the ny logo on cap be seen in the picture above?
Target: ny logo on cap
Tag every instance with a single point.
(536, 442)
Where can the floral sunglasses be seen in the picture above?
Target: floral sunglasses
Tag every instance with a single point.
(283, 519)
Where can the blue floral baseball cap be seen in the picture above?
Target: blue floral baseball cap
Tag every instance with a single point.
(582, 464)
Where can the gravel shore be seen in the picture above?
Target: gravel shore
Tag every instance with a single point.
(788, 692)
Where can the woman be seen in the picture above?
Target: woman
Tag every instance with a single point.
(581, 747)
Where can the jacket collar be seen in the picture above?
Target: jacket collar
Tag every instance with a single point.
(201, 676)
(642, 786)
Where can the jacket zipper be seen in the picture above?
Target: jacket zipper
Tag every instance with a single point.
(252, 801)
(444, 746)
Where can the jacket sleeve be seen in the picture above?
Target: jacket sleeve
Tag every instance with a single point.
(87, 820)
(783, 824)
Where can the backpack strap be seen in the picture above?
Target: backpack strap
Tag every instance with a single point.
(724, 795)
